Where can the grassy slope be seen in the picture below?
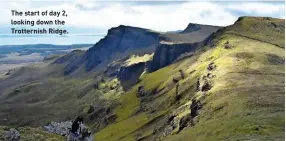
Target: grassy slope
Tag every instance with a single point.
(46, 100)
(246, 102)
(265, 29)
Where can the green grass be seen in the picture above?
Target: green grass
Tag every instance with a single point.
(265, 29)
(51, 100)
(245, 103)
(248, 97)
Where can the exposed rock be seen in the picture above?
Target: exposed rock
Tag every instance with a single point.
(60, 128)
(204, 83)
(91, 109)
(11, 135)
(198, 85)
(129, 75)
(177, 92)
(63, 129)
(141, 91)
(167, 52)
(207, 85)
(211, 66)
(185, 121)
(195, 106)
(188, 119)
(182, 74)
(84, 135)
(176, 80)
(9, 72)
(275, 59)
(227, 46)
(170, 126)
(210, 75)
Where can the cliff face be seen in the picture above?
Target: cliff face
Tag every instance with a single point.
(167, 52)
(199, 27)
(118, 41)
(128, 75)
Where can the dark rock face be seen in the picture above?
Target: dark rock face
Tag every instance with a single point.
(128, 75)
(188, 120)
(166, 53)
(192, 27)
(119, 40)
(211, 66)
(141, 91)
(195, 106)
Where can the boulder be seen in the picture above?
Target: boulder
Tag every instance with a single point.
(12, 135)
(141, 91)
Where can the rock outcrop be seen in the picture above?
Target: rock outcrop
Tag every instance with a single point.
(63, 129)
(129, 75)
(11, 135)
(60, 128)
(167, 52)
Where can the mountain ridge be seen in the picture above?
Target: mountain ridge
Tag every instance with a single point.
(118, 41)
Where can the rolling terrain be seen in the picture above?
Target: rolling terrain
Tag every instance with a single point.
(138, 84)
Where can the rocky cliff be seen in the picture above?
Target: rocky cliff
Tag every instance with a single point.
(119, 41)
(167, 52)
(123, 40)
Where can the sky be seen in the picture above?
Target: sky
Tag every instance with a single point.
(89, 20)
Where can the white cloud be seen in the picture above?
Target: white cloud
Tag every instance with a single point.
(258, 8)
(161, 17)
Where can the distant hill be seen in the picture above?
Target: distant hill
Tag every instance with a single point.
(43, 49)
(199, 27)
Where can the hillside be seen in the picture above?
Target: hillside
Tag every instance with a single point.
(138, 84)
(60, 90)
(231, 91)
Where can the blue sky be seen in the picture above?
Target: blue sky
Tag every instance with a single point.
(94, 18)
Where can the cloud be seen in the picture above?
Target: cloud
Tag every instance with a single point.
(259, 8)
(159, 15)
